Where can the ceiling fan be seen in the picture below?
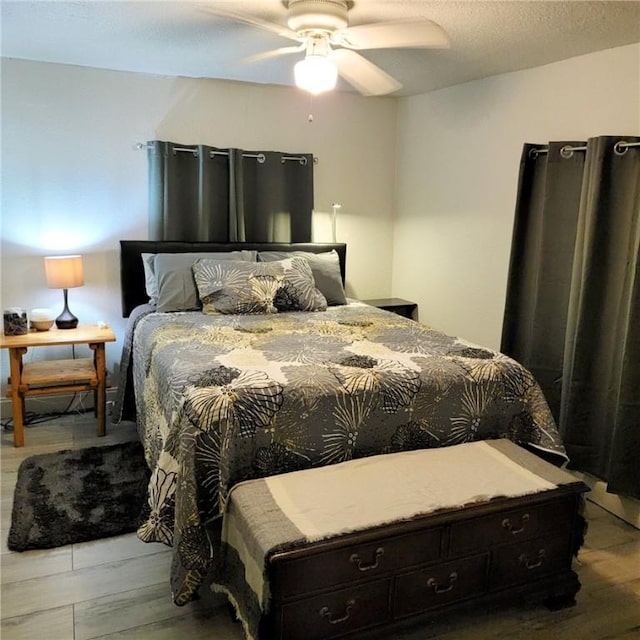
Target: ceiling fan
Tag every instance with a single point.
(321, 29)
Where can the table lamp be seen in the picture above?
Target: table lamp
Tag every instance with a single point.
(64, 272)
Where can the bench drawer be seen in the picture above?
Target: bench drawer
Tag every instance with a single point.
(337, 612)
(440, 585)
(525, 562)
(511, 526)
(343, 565)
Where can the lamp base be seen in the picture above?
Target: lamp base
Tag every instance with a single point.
(66, 320)
(66, 323)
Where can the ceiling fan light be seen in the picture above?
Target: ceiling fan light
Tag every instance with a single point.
(315, 74)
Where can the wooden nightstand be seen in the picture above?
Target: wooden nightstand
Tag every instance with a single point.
(57, 376)
(402, 307)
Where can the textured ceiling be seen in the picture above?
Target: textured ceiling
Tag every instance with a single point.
(185, 38)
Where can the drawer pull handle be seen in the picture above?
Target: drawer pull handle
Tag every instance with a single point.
(511, 528)
(532, 564)
(355, 559)
(432, 583)
(326, 613)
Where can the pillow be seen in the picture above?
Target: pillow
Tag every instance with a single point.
(150, 284)
(174, 279)
(324, 266)
(246, 287)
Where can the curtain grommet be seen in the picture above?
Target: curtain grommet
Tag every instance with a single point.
(566, 152)
(620, 148)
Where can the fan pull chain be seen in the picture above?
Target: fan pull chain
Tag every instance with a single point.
(310, 116)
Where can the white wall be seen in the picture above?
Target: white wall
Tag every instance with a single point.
(73, 183)
(458, 156)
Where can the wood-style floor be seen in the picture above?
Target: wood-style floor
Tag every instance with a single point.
(118, 588)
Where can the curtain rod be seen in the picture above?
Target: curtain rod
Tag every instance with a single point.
(567, 151)
(260, 157)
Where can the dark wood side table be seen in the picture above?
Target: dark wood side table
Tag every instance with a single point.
(57, 376)
(402, 307)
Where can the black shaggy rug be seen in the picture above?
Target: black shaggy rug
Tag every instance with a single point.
(78, 495)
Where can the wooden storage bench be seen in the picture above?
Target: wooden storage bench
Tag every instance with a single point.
(317, 584)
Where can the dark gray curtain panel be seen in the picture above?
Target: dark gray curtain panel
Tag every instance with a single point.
(188, 193)
(198, 192)
(535, 318)
(275, 200)
(572, 313)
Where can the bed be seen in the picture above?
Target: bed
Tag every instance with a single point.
(268, 378)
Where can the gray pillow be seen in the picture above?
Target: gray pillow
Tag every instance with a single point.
(174, 277)
(245, 287)
(324, 266)
(150, 285)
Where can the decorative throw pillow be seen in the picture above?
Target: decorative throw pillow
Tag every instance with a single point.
(244, 287)
(176, 288)
(325, 267)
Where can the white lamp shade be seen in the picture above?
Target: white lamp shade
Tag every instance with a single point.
(315, 74)
(63, 272)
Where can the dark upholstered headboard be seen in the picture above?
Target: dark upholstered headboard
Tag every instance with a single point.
(132, 272)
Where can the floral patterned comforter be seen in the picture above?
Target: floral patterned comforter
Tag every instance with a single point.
(221, 399)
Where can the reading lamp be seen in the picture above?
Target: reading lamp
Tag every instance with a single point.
(64, 272)
(336, 206)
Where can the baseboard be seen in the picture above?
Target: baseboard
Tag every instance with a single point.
(628, 509)
(57, 403)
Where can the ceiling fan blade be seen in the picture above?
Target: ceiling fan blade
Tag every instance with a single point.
(252, 21)
(274, 53)
(391, 35)
(365, 76)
